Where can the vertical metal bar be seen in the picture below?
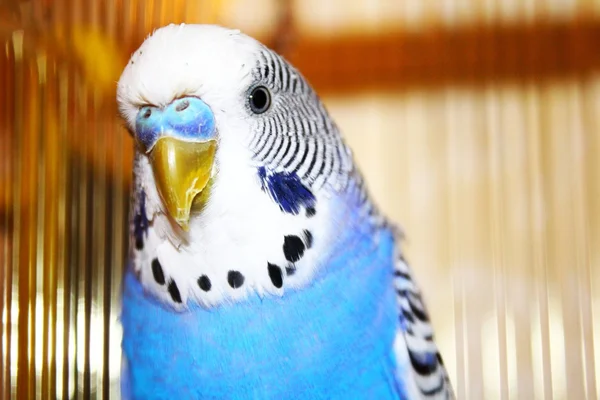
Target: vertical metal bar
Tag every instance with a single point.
(67, 248)
(49, 268)
(13, 306)
(462, 382)
(74, 378)
(119, 225)
(5, 161)
(98, 250)
(22, 218)
(592, 133)
(497, 221)
(581, 250)
(38, 319)
(51, 237)
(6, 270)
(84, 259)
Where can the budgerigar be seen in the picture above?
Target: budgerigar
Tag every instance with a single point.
(260, 268)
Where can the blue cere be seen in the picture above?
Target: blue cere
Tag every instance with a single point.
(184, 118)
(286, 190)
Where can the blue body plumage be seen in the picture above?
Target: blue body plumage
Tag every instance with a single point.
(333, 340)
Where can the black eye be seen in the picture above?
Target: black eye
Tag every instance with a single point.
(259, 99)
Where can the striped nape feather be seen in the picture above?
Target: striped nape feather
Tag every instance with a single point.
(297, 135)
(423, 357)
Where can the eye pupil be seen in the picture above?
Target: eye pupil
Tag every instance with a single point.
(260, 100)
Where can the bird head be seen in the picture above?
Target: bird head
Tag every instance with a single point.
(233, 146)
(187, 92)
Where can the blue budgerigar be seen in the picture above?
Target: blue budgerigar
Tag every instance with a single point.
(260, 268)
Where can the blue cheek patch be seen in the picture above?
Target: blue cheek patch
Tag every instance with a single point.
(185, 118)
(287, 191)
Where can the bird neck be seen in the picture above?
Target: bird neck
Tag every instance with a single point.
(334, 335)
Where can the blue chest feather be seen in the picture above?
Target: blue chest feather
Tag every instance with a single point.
(330, 340)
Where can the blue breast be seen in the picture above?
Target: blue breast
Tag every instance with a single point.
(331, 340)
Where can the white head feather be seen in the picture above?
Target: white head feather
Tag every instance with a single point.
(240, 228)
(206, 61)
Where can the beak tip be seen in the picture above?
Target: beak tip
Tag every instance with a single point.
(181, 218)
(184, 225)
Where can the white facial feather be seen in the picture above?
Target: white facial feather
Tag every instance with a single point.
(206, 61)
(241, 228)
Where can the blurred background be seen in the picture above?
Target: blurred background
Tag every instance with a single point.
(476, 123)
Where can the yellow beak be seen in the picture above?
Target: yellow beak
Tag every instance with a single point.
(181, 171)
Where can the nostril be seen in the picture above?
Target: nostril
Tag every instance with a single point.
(182, 105)
(147, 113)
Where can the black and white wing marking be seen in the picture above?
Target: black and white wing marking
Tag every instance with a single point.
(429, 373)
